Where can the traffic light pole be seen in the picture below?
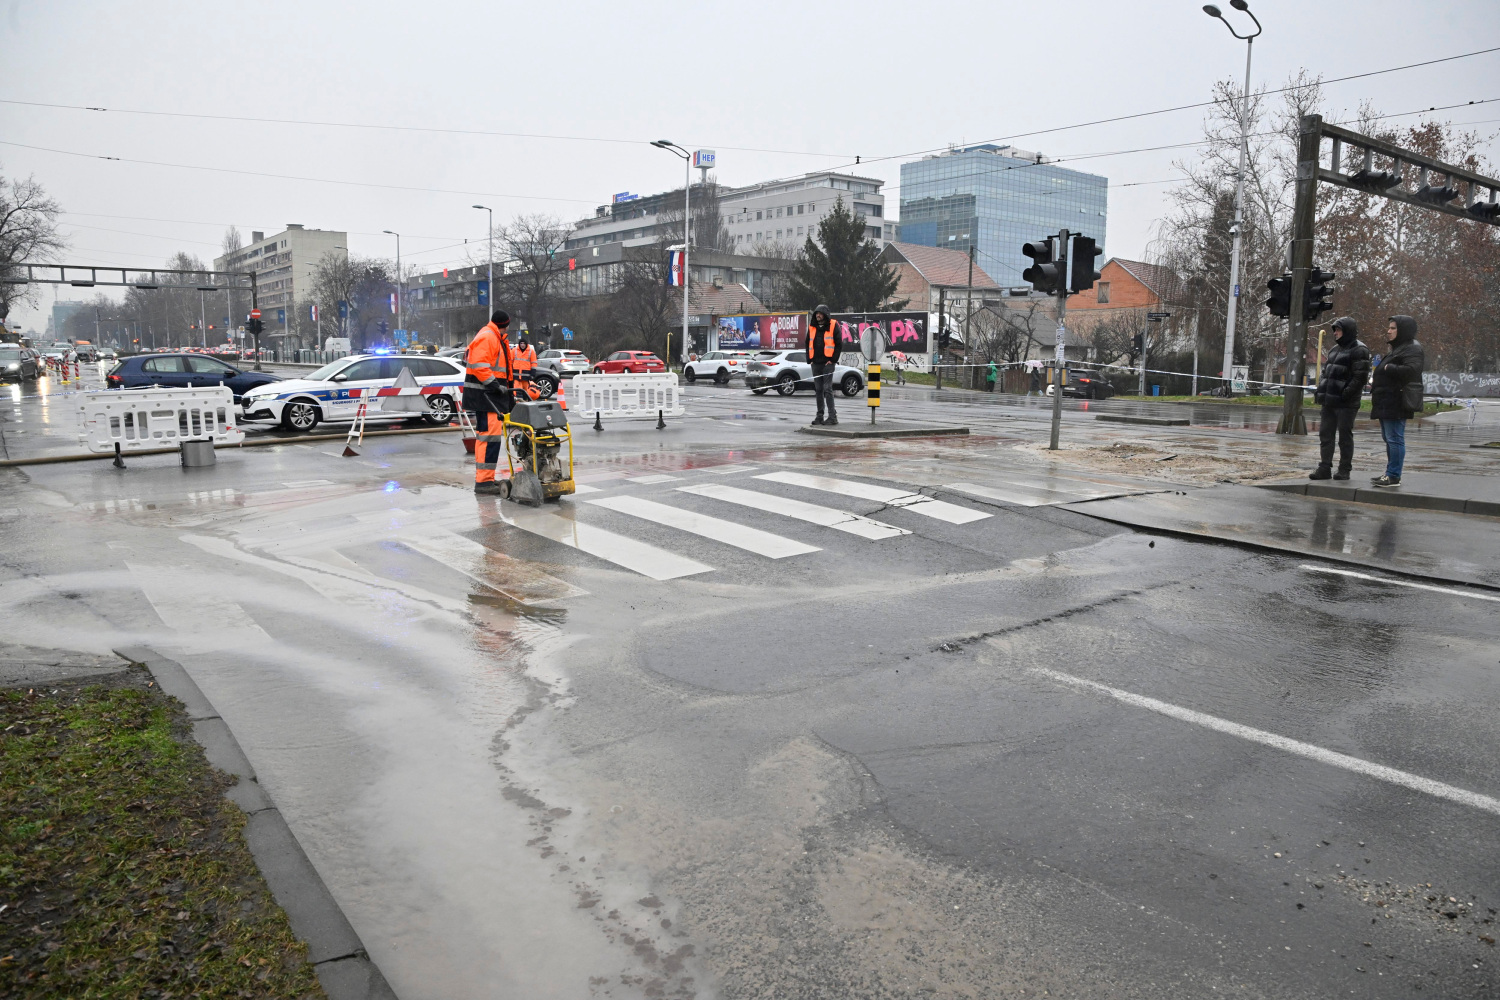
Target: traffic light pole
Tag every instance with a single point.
(1303, 216)
(1059, 348)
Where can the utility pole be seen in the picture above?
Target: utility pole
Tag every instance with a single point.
(937, 372)
(1059, 351)
(1145, 342)
(1303, 218)
(969, 302)
(491, 212)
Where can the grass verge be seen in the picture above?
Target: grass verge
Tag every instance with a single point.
(123, 870)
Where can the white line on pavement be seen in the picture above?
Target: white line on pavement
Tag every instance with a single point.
(1399, 583)
(906, 499)
(1378, 771)
(750, 539)
(828, 517)
(647, 560)
(493, 569)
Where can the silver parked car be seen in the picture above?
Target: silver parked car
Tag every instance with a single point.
(564, 362)
(788, 371)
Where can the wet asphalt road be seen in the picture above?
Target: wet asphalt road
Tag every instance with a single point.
(876, 769)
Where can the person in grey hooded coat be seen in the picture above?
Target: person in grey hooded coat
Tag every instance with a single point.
(1396, 394)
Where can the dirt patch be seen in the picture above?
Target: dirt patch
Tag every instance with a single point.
(1182, 465)
(123, 871)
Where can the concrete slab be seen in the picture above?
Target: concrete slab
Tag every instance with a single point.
(1433, 544)
(32, 666)
(1455, 493)
(888, 430)
(1122, 418)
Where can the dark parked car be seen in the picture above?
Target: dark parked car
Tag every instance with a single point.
(1085, 387)
(19, 362)
(182, 371)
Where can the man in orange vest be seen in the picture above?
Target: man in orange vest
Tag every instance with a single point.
(488, 394)
(823, 352)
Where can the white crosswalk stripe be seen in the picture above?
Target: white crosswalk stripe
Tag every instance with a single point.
(1026, 494)
(493, 569)
(728, 532)
(828, 517)
(905, 499)
(647, 560)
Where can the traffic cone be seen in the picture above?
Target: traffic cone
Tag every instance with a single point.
(562, 396)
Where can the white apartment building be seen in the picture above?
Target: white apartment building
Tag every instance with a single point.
(780, 213)
(284, 264)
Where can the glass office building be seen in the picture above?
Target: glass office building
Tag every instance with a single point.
(999, 197)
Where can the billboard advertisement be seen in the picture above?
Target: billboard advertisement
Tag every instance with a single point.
(762, 332)
(900, 331)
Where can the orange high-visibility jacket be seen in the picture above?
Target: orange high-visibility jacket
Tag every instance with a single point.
(828, 349)
(525, 358)
(489, 358)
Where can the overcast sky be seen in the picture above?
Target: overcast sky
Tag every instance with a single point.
(776, 87)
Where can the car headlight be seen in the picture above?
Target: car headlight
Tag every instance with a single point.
(13, 365)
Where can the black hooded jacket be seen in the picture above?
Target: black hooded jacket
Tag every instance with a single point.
(1345, 370)
(1396, 389)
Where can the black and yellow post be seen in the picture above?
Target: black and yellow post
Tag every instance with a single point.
(872, 388)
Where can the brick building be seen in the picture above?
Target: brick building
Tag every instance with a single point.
(1116, 306)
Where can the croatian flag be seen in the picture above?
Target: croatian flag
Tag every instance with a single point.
(674, 269)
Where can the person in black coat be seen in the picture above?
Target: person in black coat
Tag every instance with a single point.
(1396, 394)
(1340, 387)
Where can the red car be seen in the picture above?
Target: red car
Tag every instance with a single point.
(629, 362)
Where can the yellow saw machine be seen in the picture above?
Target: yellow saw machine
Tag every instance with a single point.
(535, 431)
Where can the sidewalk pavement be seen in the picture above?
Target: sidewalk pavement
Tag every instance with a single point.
(1458, 494)
(1457, 548)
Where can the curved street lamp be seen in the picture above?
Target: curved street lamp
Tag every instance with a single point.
(1239, 183)
(687, 185)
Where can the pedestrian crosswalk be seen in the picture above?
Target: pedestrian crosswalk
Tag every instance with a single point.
(659, 526)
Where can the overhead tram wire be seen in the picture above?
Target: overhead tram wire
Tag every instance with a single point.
(1163, 111)
(749, 149)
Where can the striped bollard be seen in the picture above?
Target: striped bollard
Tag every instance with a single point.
(872, 387)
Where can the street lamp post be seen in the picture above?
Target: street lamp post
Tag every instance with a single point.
(1239, 183)
(687, 231)
(492, 256)
(390, 232)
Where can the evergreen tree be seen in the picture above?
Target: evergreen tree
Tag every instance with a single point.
(844, 272)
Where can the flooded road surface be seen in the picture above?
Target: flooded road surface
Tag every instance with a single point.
(755, 715)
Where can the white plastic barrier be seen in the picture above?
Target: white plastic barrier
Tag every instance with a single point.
(136, 419)
(622, 395)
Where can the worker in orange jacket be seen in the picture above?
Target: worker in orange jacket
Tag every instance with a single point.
(489, 393)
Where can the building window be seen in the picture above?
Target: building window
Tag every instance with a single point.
(757, 216)
(799, 209)
(799, 230)
(1103, 288)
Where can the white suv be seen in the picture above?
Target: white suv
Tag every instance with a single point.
(299, 404)
(721, 366)
(788, 371)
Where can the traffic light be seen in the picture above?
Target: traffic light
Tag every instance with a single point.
(1280, 302)
(1315, 298)
(254, 327)
(1138, 343)
(1081, 257)
(1046, 275)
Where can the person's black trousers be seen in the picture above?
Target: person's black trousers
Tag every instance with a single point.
(823, 386)
(1338, 420)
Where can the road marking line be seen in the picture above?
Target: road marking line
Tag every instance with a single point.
(762, 543)
(204, 620)
(647, 560)
(914, 502)
(827, 517)
(727, 470)
(1018, 493)
(652, 479)
(495, 570)
(1378, 771)
(1399, 583)
(585, 488)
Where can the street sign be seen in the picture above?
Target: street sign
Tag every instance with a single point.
(255, 314)
(1239, 377)
(567, 334)
(343, 309)
(281, 316)
(484, 292)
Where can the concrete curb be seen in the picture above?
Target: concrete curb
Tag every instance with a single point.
(1120, 418)
(1388, 498)
(335, 950)
(254, 443)
(886, 431)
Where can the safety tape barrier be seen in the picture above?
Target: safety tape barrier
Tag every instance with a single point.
(422, 390)
(1044, 365)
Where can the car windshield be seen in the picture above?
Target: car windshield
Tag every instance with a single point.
(10, 354)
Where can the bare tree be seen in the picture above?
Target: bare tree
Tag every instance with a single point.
(28, 232)
(364, 284)
(532, 249)
(231, 241)
(643, 302)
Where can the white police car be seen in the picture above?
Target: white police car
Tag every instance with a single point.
(300, 404)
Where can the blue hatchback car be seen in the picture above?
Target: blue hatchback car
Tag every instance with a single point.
(182, 371)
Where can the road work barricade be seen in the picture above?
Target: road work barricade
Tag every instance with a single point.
(627, 395)
(125, 420)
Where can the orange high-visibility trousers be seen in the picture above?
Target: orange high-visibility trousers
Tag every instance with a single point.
(489, 439)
